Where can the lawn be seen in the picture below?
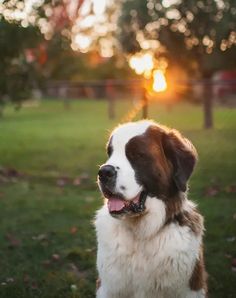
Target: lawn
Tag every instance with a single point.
(49, 157)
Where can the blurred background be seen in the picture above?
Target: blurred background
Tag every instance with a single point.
(72, 70)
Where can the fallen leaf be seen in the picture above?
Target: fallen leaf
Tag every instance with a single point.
(12, 172)
(46, 263)
(74, 288)
(230, 189)
(62, 181)
(10, 280)
(9, 174)
(13, 241)
(72, 268)
(231, 239)
(40, 237)
(34, 285)
(55, 257)
(77, 181)
(89, 250)
(26, 278)
(212, 191)
(233, 264)
(3, 178)
(73, 230)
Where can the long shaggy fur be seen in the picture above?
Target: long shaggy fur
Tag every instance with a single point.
(158, 254)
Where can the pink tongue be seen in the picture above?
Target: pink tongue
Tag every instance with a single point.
(115, 204)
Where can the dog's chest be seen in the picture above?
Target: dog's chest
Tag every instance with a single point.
(129, 259)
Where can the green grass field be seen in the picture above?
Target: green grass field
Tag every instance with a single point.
(49, 157)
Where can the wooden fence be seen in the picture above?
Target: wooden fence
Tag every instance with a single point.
(203, 91)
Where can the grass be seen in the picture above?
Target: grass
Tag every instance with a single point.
(47, 240)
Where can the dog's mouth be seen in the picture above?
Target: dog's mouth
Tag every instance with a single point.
(117, 205)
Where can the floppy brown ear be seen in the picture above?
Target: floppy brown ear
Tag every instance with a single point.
(183, 156)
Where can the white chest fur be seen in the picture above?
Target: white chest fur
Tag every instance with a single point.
(145, 259)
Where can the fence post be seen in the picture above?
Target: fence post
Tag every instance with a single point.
(145, 103)
(208, 104)
(111, 99)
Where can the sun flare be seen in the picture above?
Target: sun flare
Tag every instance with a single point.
(142, 64)
(159, 81)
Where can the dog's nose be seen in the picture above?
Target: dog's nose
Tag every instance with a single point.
(107, 172)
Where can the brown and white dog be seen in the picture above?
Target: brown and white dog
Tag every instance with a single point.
(149, 234)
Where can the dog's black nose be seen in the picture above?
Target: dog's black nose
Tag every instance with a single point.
(107, 172)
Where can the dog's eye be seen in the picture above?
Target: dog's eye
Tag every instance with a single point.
(140, 155)
(109, 150)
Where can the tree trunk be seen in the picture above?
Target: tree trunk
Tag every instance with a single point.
(1, 111)
(145, 103)
(208, 104)
(111, 99)
(111, 108)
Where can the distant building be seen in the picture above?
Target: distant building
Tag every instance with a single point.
(224, 83)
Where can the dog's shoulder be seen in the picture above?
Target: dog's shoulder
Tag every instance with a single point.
(190, 217)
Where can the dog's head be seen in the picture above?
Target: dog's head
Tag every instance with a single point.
(144, 159)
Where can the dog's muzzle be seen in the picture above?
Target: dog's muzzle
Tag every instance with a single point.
(107, 174)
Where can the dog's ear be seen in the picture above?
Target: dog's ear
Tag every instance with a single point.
(183, 156)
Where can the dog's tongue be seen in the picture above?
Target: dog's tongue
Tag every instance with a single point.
(115, 204)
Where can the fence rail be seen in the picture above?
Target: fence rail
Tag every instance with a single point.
(106, 88)
(204, 91)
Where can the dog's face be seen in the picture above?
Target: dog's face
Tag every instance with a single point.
(144, 159)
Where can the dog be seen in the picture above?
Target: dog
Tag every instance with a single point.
(149, 235)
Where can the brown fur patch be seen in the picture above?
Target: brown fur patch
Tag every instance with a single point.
(191, 219)
(198, 279)
(163, 159)
(183, 156)
(146, 155)
(98, 283)
(174, 207)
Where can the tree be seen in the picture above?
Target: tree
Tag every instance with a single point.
(27, 32)
(16, 73)
(199, 35)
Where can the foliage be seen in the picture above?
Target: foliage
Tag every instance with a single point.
(17, 75)
(36, 45)
(65, 64)
(199, 35)
(25, 31)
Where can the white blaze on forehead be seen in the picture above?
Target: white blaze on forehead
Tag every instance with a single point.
(123, 133)
(126, 182)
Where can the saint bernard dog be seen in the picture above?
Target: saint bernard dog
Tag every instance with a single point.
(149, 234)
